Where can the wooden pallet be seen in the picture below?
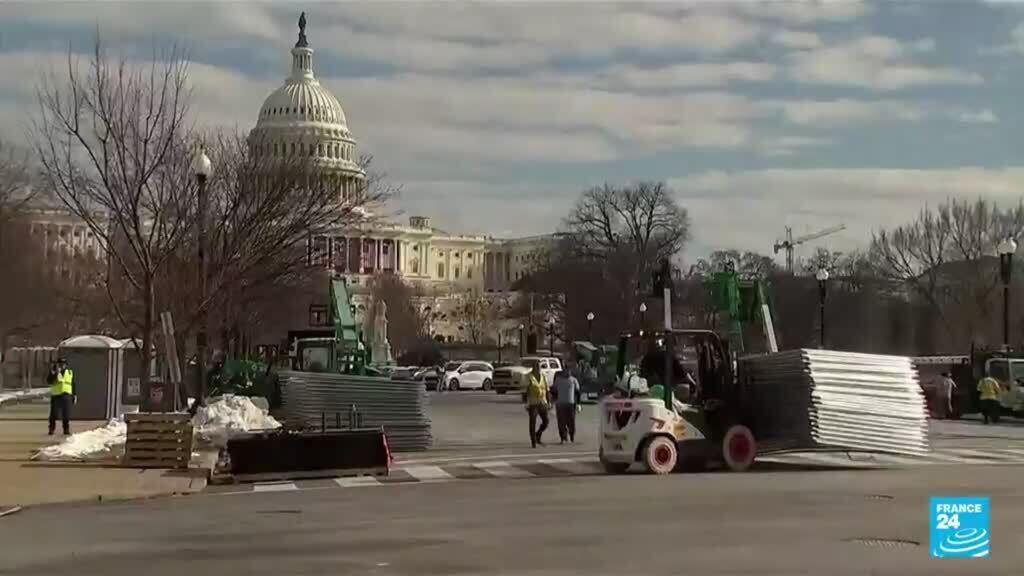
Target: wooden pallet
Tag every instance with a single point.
(297, 475)
(158, 440)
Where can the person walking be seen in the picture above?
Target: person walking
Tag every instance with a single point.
(566, 390)
(537, 404)
(62, 394)
(988, 393)
(946, 388)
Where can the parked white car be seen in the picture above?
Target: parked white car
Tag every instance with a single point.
(469, 375)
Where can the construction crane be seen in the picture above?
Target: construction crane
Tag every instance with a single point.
(789, 243)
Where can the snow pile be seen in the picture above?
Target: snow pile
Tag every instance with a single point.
(228, 416)
(88, 445)
(223, 417)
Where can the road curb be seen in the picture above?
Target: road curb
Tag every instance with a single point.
(10, 510)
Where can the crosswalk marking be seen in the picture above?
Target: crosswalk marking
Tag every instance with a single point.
(275, 487)
(503, 470)
(556, 465)
(564, 464)
(428, 473)
(353, 481)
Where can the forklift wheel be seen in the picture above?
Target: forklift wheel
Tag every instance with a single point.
(614, 467)
(739, 448)
(659, 455)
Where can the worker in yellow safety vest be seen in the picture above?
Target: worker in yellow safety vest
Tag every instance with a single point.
(537, 404)
(62, 394)
(988, 394)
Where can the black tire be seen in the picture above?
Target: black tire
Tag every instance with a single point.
(659, 455)
(453, 385)
(614, 467)
(487, 385)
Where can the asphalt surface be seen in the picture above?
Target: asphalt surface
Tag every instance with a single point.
(779, 523)
(772, 521)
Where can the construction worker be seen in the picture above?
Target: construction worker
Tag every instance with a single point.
(988, 393)
(946, 388)
(566, 390)
(62, 394)
(537, 404)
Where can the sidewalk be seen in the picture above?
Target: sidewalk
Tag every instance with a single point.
(23, 430)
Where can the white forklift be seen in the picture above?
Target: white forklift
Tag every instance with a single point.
(651, 426)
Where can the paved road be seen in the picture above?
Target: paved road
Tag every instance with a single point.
(778, 523)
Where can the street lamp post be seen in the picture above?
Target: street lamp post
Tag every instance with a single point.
(1006, 250)
(202, 168)
(822, 277)
(643, 316)
(551, 336)
(590, 327)
(522, 343)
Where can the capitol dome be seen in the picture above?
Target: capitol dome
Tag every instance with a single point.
(303, 117)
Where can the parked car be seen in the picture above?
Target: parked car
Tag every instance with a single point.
(470, 375)
(430, 376)
(404, 372)
(513, 378)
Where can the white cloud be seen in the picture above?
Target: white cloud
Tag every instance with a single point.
(755, 206)
(874, 62)
(806, 11)
(1014, 46)
(846, 111)
(690, 75)
(924, 45)
(985, 116)
(789, 145)
(470, 36)
(796, 39)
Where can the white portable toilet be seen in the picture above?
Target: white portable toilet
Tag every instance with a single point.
(98, 365)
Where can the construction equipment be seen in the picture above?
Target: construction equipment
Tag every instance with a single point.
(793, 400)
(663, 433)
(337, 349)
(790, 243)
(596, 365)
(742, 301)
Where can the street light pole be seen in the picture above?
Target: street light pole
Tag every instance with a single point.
(643, 316)
(1006, 250)
(822, 280)
(522, 343)
(551, 337)
(590, 327)
(202, 167)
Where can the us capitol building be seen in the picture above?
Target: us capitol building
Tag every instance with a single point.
(303, 116)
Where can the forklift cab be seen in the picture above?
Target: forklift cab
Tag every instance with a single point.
(714, 378)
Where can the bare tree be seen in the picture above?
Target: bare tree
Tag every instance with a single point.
(407, 327)
(947, 257)
(113, 144)
(642, 219)
(269, 218)
(477, 316)
(747, 264)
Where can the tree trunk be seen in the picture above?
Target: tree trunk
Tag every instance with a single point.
(149, 297)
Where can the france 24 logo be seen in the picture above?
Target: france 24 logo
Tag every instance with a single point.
(959, 526)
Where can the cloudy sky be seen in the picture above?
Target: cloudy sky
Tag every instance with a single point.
(494, 116)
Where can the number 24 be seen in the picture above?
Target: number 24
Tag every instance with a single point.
(945, 522)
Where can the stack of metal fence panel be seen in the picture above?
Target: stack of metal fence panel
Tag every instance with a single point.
(829, 399)
(312, 399)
